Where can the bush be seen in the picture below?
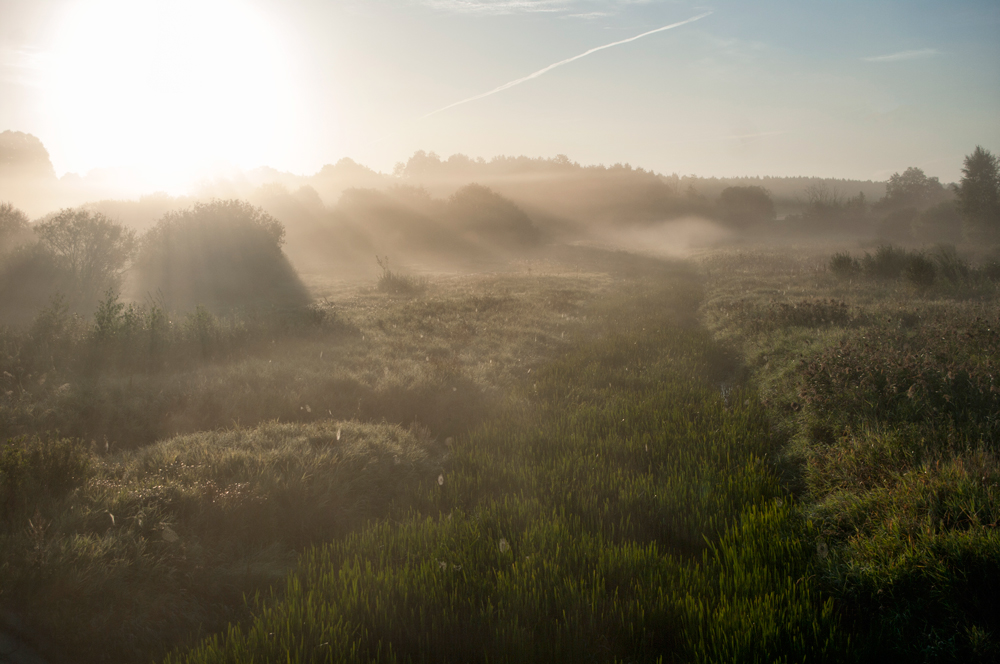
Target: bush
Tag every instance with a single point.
(920, 271)
(843, 265)
(887, 263)
(941, 223)
(940, 375)
(398, 284)
(950, 266)
(36, 469)
(745, 207)
(224, 255)
(898, 225)
(29, 277)
(492, 217)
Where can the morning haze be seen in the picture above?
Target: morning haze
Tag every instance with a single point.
(491, 330)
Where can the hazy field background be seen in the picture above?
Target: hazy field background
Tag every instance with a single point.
(640, 424)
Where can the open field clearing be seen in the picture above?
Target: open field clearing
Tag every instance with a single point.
(624, 510)
(593, 457)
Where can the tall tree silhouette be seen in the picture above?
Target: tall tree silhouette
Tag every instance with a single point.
(979, 195)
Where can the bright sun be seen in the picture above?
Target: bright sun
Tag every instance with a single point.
(171, 88)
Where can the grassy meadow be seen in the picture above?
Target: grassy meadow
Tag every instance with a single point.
(882, 387)
(595, 456)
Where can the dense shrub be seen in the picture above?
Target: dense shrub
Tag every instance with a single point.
(950, 266)
(888, 262)
(941, 223)
(224, 255)
(492, 217)
(29, 277)
(898, 225)
(943, 374)
(920, 271)
(941, 268)
(745, 207)
(38, 469)
(843, 265)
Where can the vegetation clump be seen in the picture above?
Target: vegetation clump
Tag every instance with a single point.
(942, 267)
(224, 255)
(395, 283)
(891, 425)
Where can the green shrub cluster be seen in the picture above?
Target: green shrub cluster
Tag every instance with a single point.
(114, 375)
(943, 374)
(38, 469)
(941, 266)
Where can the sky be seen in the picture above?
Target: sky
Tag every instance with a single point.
(181, 89)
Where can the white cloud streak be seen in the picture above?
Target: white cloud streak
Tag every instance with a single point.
(523, 79)
(904, 55)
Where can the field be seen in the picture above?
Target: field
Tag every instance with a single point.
(594, 456)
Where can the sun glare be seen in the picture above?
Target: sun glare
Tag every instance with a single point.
(170, 89)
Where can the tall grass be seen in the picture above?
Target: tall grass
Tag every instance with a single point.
(891, 416)
(626, 512)
(156, 537)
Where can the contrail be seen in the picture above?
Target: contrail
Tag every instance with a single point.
(538, 73)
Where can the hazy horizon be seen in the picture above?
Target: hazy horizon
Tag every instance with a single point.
(178, 92)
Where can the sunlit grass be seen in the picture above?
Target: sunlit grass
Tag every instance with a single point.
(888, 402)
(625, 511)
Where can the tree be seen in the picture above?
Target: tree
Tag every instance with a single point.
(912, 189)
(13, 227)
(93, 249)
(828, 211)
(979, 195)
(23, 156)
(742, 207)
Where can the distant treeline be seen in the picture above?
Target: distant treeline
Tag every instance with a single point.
(468, 209)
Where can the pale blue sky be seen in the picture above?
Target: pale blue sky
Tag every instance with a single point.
(842, 89)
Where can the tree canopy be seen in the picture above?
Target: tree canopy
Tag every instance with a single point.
(93, 249)
(979, 194)
(13, 226)
(742, 207)
(912, 189)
